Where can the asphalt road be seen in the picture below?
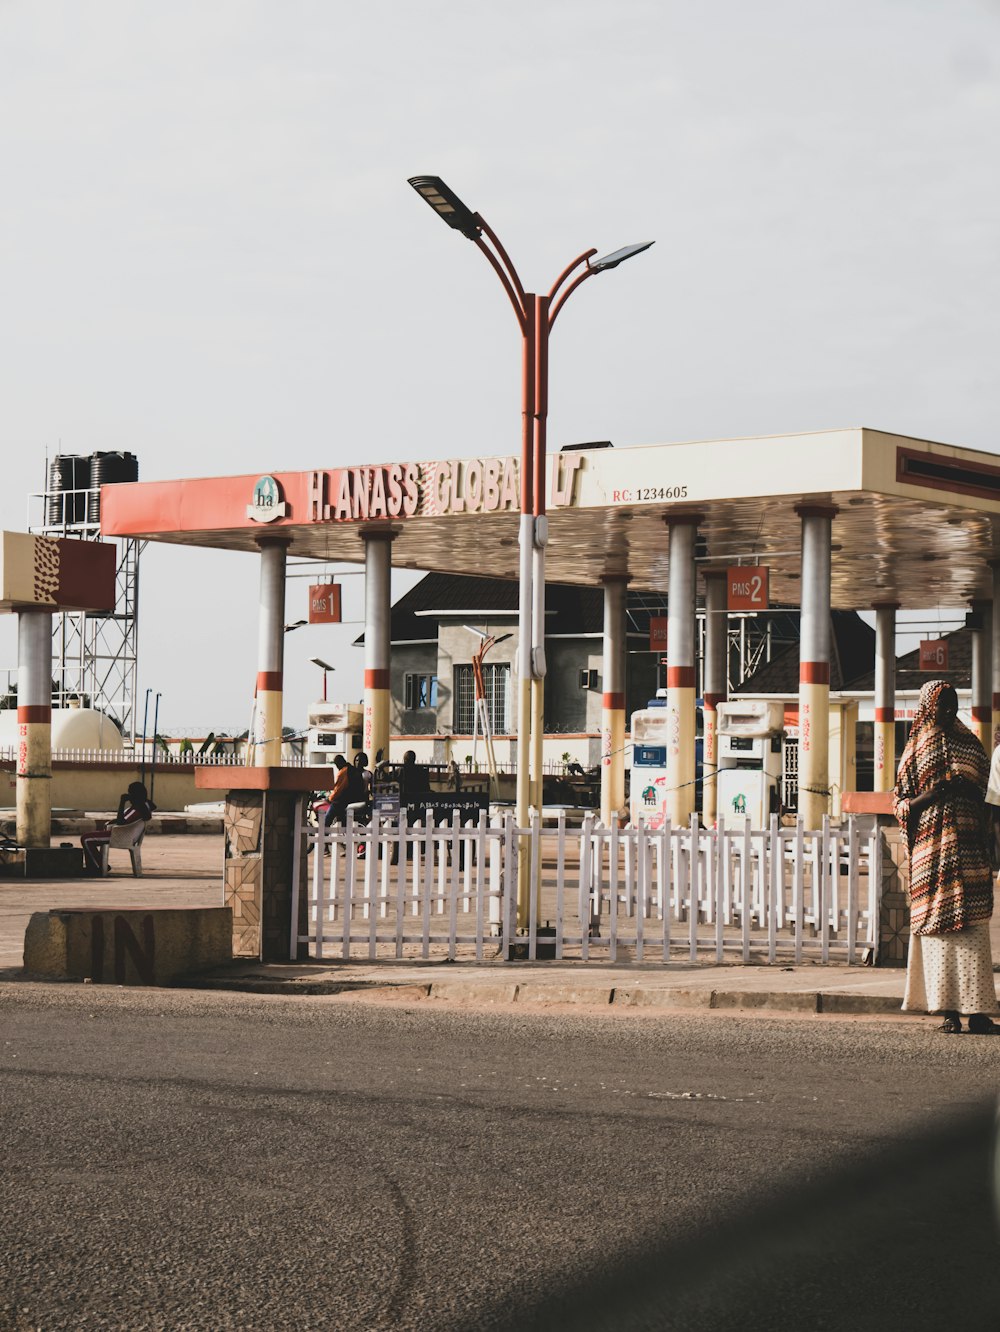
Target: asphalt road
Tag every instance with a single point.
(218, 1161)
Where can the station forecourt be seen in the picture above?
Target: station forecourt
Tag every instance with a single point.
(853, 519)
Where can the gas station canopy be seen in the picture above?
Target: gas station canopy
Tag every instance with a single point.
(917, 523)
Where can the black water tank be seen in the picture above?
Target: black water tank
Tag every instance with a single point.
(67, 472)
(108, 469)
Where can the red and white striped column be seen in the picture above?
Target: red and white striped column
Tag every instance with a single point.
(613, 700)
(378, 607)
(716, 688)
(982, 674)
(34, 726)
(885, 694)
(681, 686)
(270, 653)
(814, 664)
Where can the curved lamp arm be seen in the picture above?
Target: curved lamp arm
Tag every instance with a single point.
(505, 271)
(581, 277)
(581, 258)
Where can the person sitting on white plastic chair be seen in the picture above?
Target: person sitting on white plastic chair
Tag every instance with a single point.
(135, 809)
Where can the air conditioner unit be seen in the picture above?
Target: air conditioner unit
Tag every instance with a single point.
(588, 679)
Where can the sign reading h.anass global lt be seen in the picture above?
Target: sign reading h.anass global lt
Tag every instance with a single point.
(406, 490)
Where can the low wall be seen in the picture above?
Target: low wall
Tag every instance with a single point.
(127, 947)
(99, 785)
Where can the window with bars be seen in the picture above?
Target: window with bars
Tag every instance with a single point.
(419, 691)
(496, 681)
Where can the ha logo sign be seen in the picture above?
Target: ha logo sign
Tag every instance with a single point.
(267, 502)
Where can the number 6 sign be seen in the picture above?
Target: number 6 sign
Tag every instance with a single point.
(747, 587)
(933, 654)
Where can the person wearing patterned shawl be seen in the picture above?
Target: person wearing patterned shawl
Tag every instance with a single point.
(939, 801)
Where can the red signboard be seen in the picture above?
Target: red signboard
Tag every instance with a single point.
(934, 654)
(657, 633)
(747, 587)
(324, 603)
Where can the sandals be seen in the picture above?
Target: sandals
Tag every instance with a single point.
(979, 1025)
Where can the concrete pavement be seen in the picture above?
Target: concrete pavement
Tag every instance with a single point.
(186, 870)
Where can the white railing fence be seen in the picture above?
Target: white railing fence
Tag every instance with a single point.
(598, 893)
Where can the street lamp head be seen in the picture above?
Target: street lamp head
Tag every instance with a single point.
(618, 256)
(296, 624)
(447, 204)
(323, 665)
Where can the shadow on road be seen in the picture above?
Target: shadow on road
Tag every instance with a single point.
(905, 1238)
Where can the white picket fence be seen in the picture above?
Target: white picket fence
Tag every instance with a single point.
(597, 893)
(158, 759)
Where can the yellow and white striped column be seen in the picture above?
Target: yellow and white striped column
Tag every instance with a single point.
(613, 700)
(814, 664)
(885, 694)
(716, 688)
(34, 726)
(270, 653)
(378, 607)
(982, 674)
(681, 686)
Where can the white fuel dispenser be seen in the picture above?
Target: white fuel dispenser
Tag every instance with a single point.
(335, 728)
(749, 782)
(648, 792)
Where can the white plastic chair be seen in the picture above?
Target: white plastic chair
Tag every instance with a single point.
(125, 837)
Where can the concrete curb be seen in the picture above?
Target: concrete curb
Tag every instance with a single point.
(504, 993)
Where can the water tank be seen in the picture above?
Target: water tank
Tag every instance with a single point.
(72, 728)
(107, 469)
(84, 728)
(67, 472)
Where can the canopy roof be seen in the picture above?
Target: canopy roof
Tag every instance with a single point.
(917, 523)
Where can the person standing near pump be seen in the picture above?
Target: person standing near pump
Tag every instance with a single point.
(361, 763)
(939, 800)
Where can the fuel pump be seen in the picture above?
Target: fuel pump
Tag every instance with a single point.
(648, 790)
(749, 780)
(334, 728)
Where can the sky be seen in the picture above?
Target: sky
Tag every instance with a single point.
(210, 256)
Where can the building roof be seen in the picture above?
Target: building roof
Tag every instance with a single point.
(852, 652)
(909, 676)
(571, 611)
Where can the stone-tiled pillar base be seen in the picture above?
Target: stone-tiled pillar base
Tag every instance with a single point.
(894, 916)
(259, 829)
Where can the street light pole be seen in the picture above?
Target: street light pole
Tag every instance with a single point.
(535, 316)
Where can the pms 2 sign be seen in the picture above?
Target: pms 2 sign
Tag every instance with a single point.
(747, 588)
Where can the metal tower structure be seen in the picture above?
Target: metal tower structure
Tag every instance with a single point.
(94, 656)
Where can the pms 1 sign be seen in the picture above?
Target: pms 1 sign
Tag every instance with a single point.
(324, 603)
(933, 654)
(747, 588)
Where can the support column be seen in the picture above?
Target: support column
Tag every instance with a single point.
(716, 688)
(34, 725)
(681, 669)
(270, 653)
(814, 664)
(613, 700)
(982, 675)
(378, 606)
(995, 720)
(885, 694)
